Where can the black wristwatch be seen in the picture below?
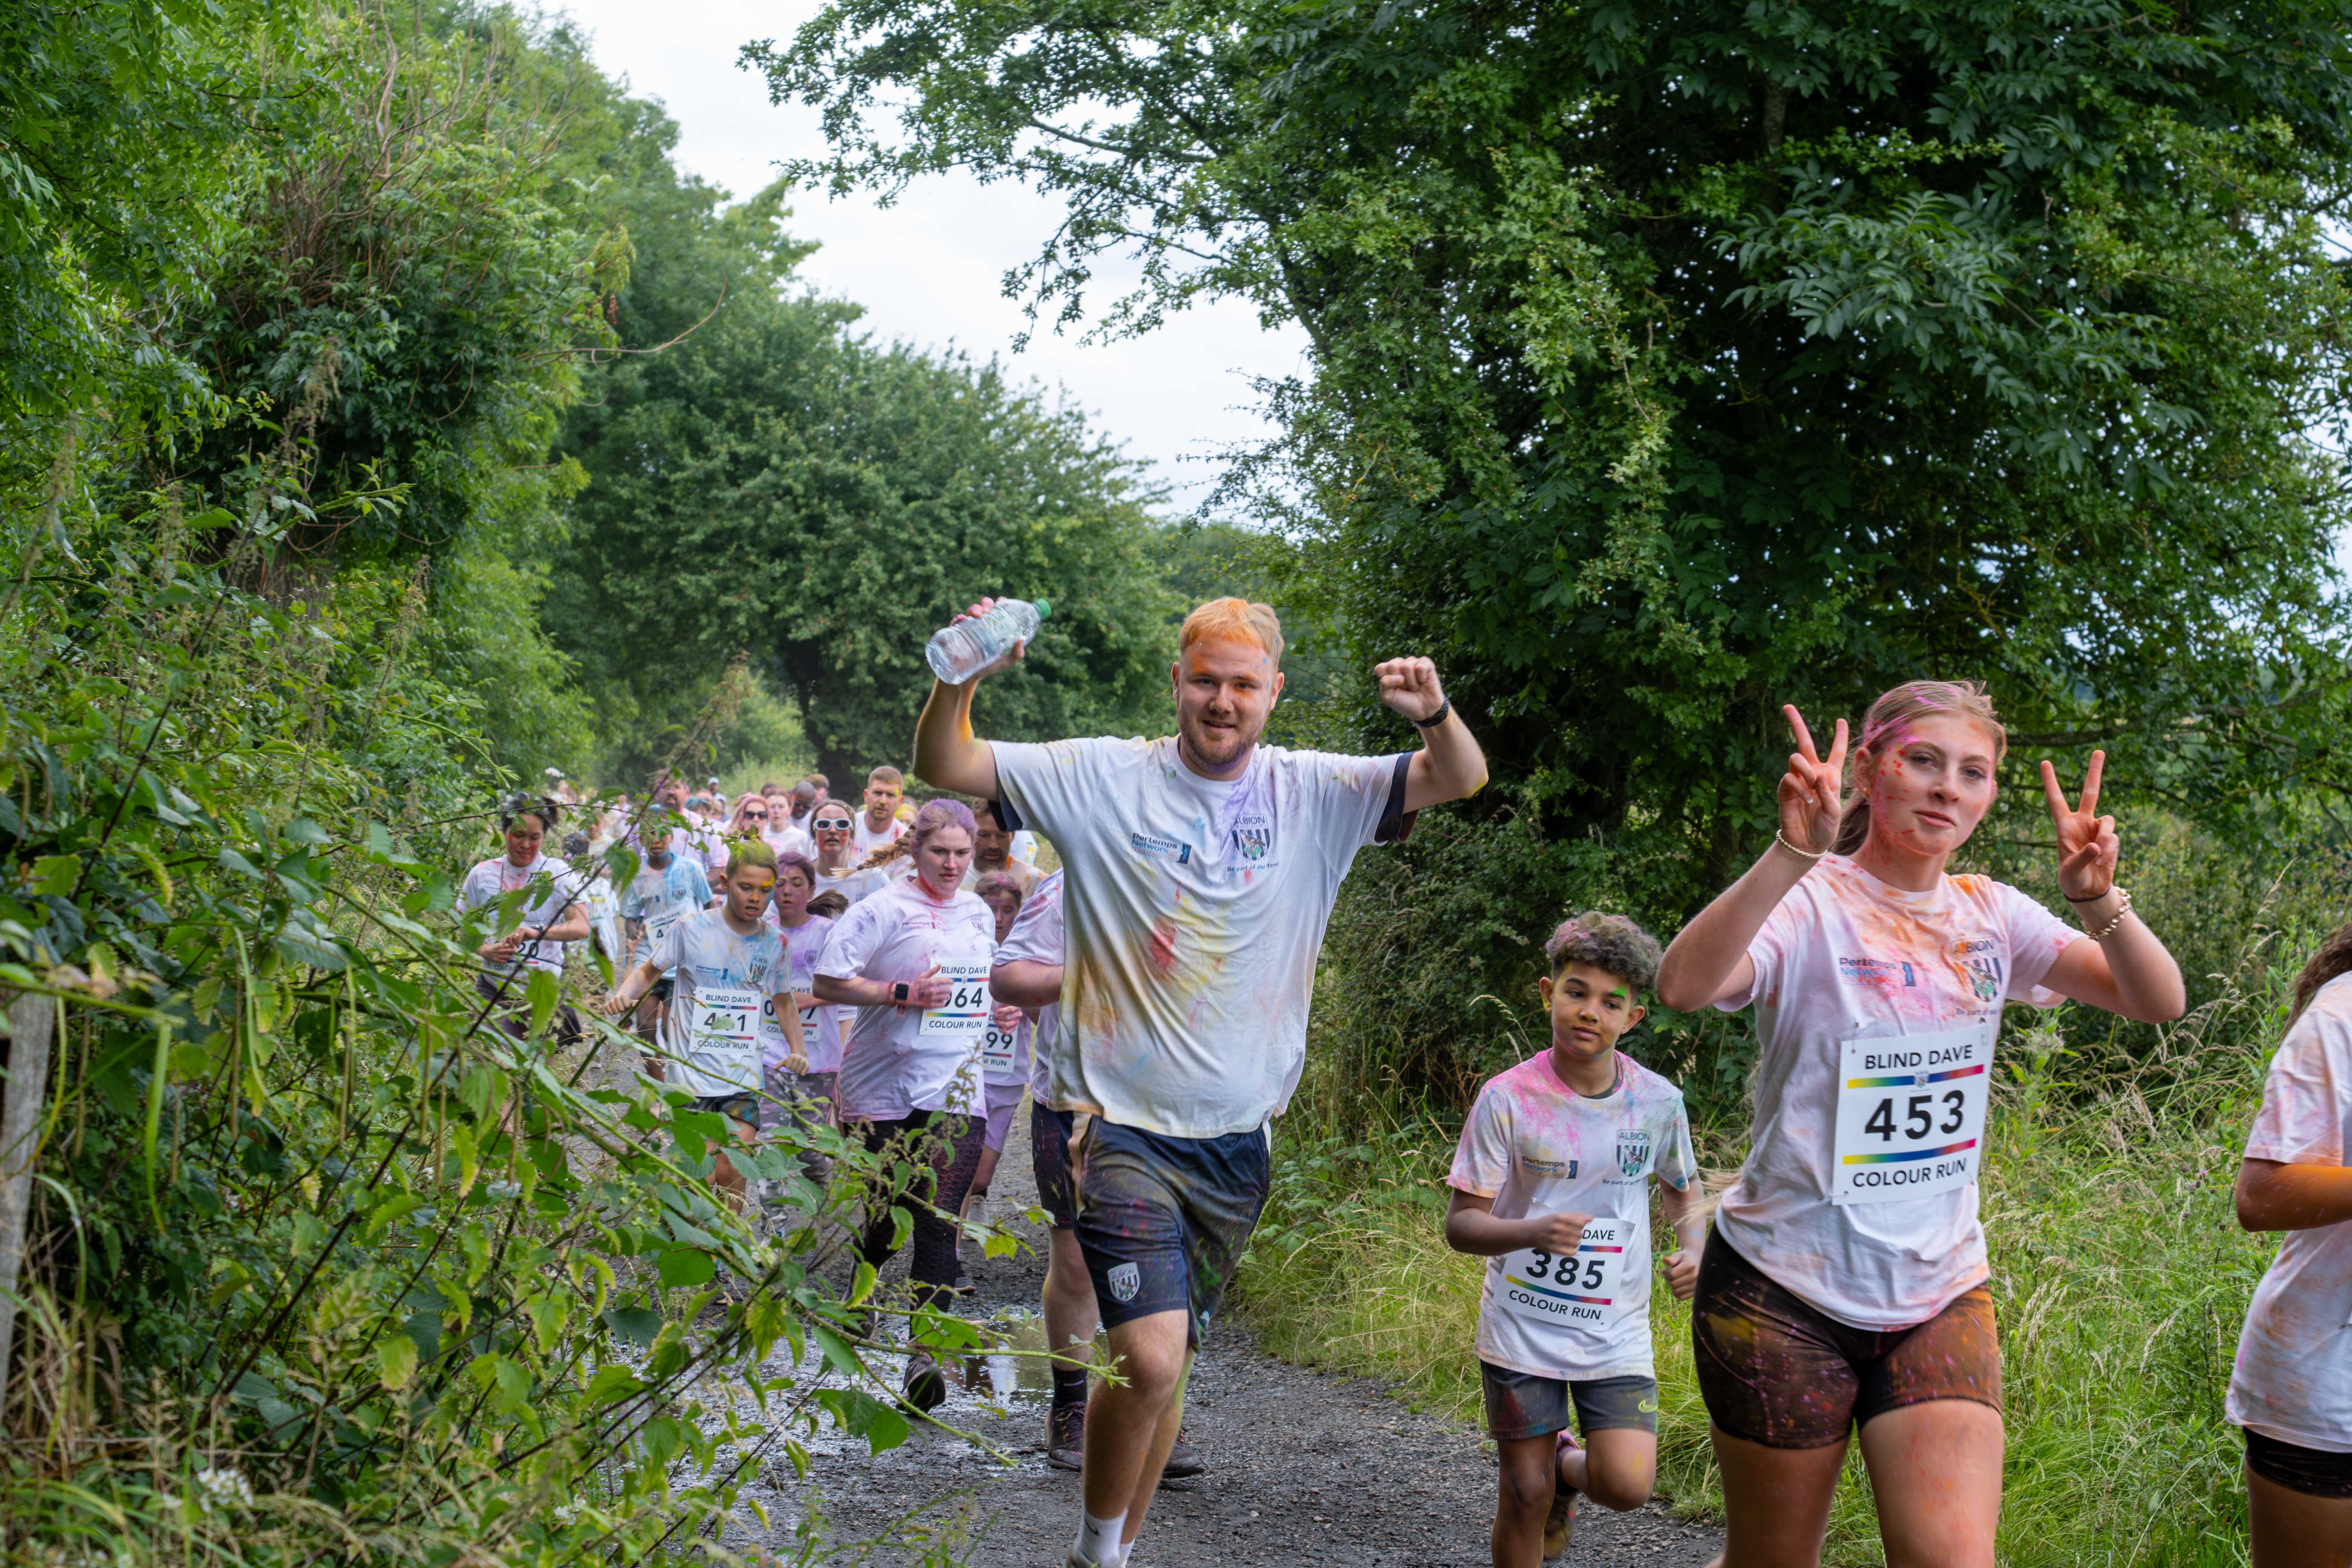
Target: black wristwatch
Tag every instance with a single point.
(899, 993)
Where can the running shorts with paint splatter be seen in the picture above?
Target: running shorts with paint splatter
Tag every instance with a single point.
(2315, 1472)
(1525, 1404)
(1162, 1220)
(1776, 1371)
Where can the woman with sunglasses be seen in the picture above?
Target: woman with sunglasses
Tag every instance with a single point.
(837, 869)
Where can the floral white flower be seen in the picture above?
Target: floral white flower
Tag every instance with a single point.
(221, 1488)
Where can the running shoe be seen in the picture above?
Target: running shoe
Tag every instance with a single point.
(1066, 1437)
(1183, 1459)
(926, 1387)
(1559, 1527)
(964, 1285)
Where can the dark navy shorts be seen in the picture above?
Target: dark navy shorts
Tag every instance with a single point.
(2311, 1471)
(1162, 1221)
(1049, 1155)
(1523, 1405)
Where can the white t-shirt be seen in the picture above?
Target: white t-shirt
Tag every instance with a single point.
(850, 883)
(1196, 912)
(1036, 938)
(1536, 1146)
(708, 956)
(896, 1063)
(820, 1026)
(864, 840)
(557, 895)
(1846, 957)
(791, 841)
(659, 897)
(596, 891)
(2294, 1377)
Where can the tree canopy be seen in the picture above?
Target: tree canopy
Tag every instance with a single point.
(1670, 363)
(773, 483)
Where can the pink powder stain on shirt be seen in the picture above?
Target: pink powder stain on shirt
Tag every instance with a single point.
(1928, 938)
(1160, 950)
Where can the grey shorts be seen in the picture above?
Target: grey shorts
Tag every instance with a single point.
(1521, 1404)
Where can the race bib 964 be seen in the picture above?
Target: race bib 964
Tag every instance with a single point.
(964, 1015)
(1911, 1114)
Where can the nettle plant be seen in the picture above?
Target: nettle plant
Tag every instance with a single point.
(310, 1259)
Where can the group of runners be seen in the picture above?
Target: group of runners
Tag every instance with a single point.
(910, 975)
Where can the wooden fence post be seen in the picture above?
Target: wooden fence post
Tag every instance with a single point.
(30, 1019)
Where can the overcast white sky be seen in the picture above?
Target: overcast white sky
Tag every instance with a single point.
(927, 269)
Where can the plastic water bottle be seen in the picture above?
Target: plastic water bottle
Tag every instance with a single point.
(959, 652)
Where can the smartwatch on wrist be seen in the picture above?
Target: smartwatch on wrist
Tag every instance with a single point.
(899, 993)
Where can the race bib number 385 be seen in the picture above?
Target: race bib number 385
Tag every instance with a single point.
(1606, 1277)
(1911, 1114)
(964, 1015)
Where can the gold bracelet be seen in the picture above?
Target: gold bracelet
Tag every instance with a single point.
(1807, 856)
(2122, 909)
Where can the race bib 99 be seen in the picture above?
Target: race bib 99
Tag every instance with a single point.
(1911, 1114)
(1594, 1287)
(997, 1048)
(964, 1015)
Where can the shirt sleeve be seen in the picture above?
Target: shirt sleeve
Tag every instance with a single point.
(701, 879)
(671, 950)
(1050, 786)
(1768, 949)
(2301, 1121)
(1482, 1160)
(1037, 933)
(1359, 801)
(1677, 1163)
(632, 907)
(2036, 938)
(854, 940)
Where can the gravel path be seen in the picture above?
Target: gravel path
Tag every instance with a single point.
(1302, 1468)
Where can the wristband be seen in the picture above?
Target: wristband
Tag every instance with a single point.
(1808, 855)
(1444, 708)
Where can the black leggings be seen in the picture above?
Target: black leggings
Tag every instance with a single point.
(955, 1158)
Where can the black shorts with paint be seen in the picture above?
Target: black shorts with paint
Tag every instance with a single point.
(1162, 1220)
(1523, 1405)
(1049, 1155)
(1775, 1370)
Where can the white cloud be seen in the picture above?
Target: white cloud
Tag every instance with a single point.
(928, 269)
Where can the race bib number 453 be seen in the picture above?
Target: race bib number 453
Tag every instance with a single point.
(1911, 1114)
(1606, 1277)
(964, 1015)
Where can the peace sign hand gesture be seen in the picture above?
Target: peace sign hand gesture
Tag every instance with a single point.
(2087, 845)
(1810, 808)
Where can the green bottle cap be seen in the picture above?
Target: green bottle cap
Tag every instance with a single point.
(1045, 610)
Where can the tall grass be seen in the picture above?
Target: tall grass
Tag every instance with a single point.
(2119, 1273)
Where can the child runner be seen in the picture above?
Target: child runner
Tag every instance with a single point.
(2291, 1388)
(728, 964)
(551, 911)
(1844, 1283)
(801, 1088)
(1551, 1186)
(1004, 1057)
(1202, 871)
(667, 887)
(913, 958)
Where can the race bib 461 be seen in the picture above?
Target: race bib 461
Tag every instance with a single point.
(1911, 1114)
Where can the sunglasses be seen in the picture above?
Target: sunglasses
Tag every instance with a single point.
(834, 825)
(755, 816)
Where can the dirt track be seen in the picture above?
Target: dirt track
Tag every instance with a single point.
(1303, 1468)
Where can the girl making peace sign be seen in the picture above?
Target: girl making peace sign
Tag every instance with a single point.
(1843, 1282)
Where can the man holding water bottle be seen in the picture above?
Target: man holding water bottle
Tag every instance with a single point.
(1200, 873)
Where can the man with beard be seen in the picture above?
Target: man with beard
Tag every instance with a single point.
(1199, 874)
